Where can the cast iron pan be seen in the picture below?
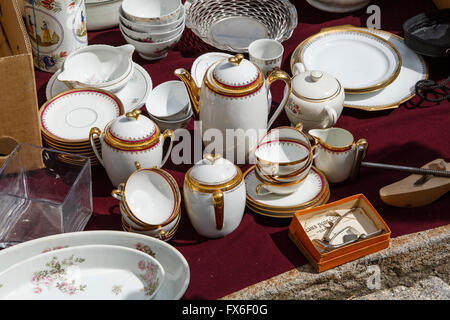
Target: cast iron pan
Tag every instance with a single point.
(429, 33)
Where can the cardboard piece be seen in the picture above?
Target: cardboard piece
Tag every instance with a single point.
(310, 224)
(442, 4)
(19, 110)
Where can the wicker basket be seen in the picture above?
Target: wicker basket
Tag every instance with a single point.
(233, 24)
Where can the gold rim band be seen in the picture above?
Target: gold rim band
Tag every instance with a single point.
(368, 89)
(205, 188)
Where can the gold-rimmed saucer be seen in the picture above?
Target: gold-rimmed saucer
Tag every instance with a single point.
(314, 190)
(288, 214)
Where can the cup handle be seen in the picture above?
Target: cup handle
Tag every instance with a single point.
(118, 193)
(95, 131)
(258, 190)
(218, 204)
(168, 133)
(162, 234)
(278, 74)
(363, 142)
(313, 152)
(299, 127)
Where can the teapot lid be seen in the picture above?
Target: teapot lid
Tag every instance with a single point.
(213, 173)
(132, 130)
(315, 85)
(235, 76)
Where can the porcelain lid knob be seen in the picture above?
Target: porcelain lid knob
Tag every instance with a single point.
(316, 75)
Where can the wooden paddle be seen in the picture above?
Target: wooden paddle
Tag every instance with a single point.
(417, 190)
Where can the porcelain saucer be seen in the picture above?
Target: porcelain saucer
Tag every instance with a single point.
(314, 191)
(133, 95)
(69, 116)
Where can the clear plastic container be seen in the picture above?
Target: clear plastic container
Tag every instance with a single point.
(43, 192)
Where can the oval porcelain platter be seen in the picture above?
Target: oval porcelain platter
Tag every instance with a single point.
(94, 272)
(132, 96)
(414, 68)
(177, 272)
(361, 61)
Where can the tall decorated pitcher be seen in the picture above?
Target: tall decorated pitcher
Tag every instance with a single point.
(56, 28)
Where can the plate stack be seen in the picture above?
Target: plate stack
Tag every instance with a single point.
(152, 26)
(387, 68)
(67, 118)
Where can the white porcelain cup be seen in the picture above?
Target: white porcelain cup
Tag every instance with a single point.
(169, 101)
(267, 54)
(336, 152)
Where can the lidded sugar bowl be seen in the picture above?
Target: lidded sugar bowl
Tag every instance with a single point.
(214, 195)
(316, 100)
(129, 138)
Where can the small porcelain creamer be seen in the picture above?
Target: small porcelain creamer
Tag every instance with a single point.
(336, 152)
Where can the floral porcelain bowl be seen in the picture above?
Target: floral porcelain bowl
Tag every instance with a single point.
(87, 272)
(100, 66)
(152, 36)
(152, 51)
(151, 11)
(157, 28)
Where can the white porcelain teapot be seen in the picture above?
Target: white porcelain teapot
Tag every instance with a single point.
(234, 95)
(129, 138)
(317, 99)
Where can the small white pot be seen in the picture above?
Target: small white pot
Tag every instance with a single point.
(214, 194)
(317, 98)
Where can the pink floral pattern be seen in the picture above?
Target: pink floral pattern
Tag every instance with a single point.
(144, 248)
(117, 289)
(149, 277)
(55, 275)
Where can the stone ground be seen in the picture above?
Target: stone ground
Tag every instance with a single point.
(414, 267)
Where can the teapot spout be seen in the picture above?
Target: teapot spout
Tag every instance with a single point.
(192, 89)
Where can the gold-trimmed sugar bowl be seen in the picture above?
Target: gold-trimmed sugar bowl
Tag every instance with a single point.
(214, 194)
(129, 138)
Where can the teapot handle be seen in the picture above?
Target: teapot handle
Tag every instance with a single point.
(278, 74)
(168, 133)
(218, 204)
(332, 117)
(298, 68)
(97, 132)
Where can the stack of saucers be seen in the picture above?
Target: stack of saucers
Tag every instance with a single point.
(150, 203)
(152, 26)
(169, 106)
(67, 118)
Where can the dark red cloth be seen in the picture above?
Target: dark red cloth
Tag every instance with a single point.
(260, 248)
